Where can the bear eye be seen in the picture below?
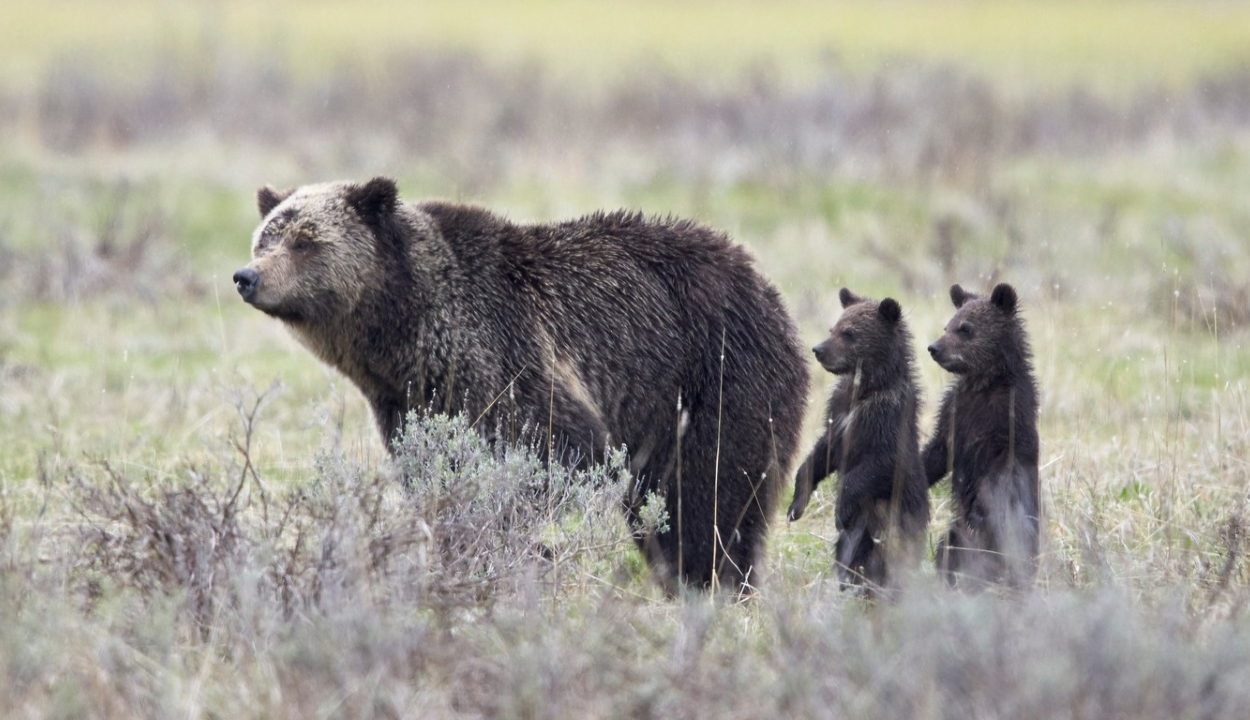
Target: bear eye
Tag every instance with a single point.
(964, 330)
(848, 335)
(302, 243)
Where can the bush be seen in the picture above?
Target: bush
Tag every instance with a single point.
(452, 524)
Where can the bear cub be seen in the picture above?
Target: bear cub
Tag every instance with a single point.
(871, 441)
(986, 440)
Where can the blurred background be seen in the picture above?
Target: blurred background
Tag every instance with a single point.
(1092, 153)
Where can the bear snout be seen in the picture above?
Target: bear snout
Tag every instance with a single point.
(934, 349)
(821, 352)
(245, 281)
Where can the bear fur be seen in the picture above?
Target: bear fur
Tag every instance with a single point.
(986, 441)
(872, 441)
(612, 329)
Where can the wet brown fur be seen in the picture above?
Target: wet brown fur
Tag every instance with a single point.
(600, 325)
(986, 441)
(871, 441)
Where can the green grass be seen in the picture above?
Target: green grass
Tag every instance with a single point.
(156, 386)
(128, 589)
(811, 239)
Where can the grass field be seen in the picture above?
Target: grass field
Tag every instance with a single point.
(1115, 46)
(197, 519)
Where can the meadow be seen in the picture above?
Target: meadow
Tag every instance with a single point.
(197, 519)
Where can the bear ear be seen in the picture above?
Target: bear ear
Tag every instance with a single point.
(890, 310)
(374, 199)
(848, 298)
(959, 296)
(267, 198)
(1004, 298)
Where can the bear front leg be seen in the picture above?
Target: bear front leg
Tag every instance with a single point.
(389, 416)
(821, 462)
(937, 451)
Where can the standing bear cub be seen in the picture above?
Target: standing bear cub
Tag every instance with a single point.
(609, 330)
(986, 440)
(871, 441)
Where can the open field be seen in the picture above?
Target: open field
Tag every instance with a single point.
(1115, 45)
(197, 519)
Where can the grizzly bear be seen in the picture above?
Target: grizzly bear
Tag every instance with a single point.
(610, 330)
(986, 440)
(871, 440)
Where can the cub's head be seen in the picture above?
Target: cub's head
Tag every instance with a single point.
(980, 334)
(317, 248)
(868, 335)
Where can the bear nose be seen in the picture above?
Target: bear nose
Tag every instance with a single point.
(816, 350)
(933, 350)
(245, 282)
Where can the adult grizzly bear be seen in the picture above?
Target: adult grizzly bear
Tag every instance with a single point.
(871, 440)
(606, 330)
(986, 440)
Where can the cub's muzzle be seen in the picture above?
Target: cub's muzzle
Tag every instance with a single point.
(821, 352)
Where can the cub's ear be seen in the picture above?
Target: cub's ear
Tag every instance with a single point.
(959, 296)
(267, 198)
(1004, 298)
(848, 298)
(890, 310)
(373, 200)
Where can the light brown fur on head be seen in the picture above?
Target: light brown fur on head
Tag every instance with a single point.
(345, 264)
(312, 254)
